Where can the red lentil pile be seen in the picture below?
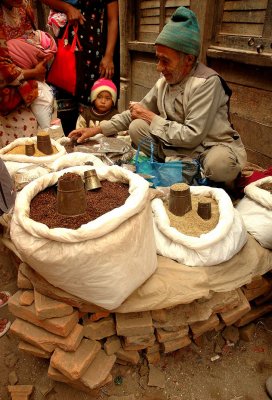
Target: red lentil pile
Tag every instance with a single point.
(43, 207)
(266, 186)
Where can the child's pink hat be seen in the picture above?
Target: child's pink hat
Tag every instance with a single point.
(104, 84)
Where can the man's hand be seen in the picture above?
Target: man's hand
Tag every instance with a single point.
(81, 134)
(137, 111)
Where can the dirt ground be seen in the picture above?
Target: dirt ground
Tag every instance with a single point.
(239, 373)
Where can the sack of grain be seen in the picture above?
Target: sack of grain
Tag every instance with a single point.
(104, 260)
(211, 248)
(8, 153)
(256, 210)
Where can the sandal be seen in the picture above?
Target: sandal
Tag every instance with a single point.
(4, 326)
(4, 296)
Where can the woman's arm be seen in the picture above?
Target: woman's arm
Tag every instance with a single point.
(106, 66)
(73, 14)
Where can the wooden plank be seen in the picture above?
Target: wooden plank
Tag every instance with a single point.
(258, 158)
(242, 29)
(150, 12)
(244, 16)
(142, 47)
(150, 21)
(252, 104)
(144, 73)
(242, 56)
(138, 92)
(256, 77)
(239, 42)
(149, 28)
(169, 12)
(245, 5)
(267, 32)
(147, 36)
(177, 3)
(256, 136)
(149, 4)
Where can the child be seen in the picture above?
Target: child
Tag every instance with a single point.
(103, 98)
(26, 52)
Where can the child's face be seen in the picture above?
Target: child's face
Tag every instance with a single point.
(103, 102)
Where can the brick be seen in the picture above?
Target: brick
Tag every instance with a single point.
(263, 299)
(159, 315)
(164, 336)
(26, 298)
(98, 371)
(247, 332)
(198, 328)
(153, 349)
(134, 324)
(196, 311)
(98, 315)
(174, 345)
(130, 356)
(220, 326)
(23, 282)
(75, 364)
(253, 293)
(100, 329)
(231, 334)
(230, 317)
(48, 308)
(59, 377)
(254, 314)
(138, 342)
(256, 282)
(59, 326)
(112, 344)
(156, 377)
(20, 392)
(45, 340)
(153, 358)
(33, 350)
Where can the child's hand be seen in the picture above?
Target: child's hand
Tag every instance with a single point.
(81, 134)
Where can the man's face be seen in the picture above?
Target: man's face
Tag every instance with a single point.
(173, 64)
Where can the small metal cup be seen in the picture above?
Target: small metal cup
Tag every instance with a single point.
(44, 143)
(180, 201)
(91, 180)
(204, 210)
(71, 196)
(29, 149)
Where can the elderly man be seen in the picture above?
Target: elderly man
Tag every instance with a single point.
(186, 113)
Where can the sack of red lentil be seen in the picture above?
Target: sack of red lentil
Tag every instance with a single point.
(221, 243)
(104, 260)
(256, 210)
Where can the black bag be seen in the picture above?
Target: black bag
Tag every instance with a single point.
(7, 192)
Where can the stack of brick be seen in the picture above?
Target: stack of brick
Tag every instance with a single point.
(49, 329)
(84, 346)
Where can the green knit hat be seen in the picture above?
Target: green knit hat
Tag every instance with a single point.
(181, 33)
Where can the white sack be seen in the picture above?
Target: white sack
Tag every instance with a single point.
(22, 158)
(256, 211)
(75, 159)
(23, 173)
(103, 261)
(214, 247)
